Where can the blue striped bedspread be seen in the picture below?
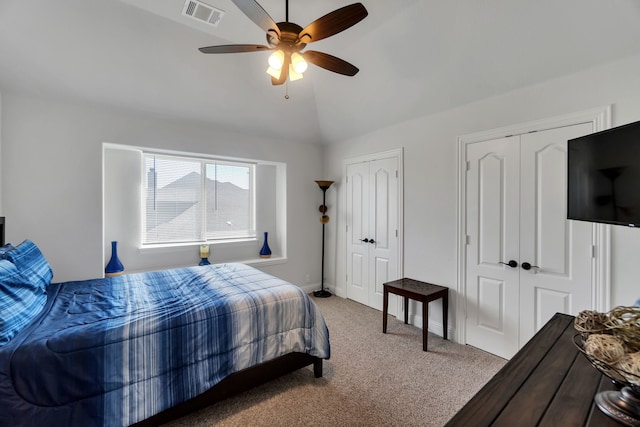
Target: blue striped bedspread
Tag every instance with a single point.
(115, 351)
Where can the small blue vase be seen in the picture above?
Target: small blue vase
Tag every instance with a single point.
(114, 267)
(265, 252)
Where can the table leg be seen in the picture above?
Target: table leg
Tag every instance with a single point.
(406, 310)
(425, 324)
(445, 314)
(385, 306)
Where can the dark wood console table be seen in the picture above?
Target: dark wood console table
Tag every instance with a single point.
(547, 383)
(419, 291)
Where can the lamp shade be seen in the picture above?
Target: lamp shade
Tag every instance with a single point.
(276, 59)
(274, 73)
(293, 75)
(298, 63)
(324, 185)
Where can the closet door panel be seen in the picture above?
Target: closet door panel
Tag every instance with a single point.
(380, 208)
(550, 234)
(559, 250)
(358, 206)
(384, 224)
(492, 228)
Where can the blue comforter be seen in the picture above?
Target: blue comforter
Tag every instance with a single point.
(112, 352)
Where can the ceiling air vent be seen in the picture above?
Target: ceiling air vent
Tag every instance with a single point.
(202, 12)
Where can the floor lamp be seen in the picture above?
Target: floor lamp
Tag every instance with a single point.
(324, 186)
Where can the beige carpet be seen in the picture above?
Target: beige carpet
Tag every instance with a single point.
(372, 379)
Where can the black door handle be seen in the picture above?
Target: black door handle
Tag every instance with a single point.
(372, 241)
(513, 263)
(364, 240)
(527, 266)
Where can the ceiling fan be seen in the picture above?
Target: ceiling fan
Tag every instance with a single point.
(287, 40)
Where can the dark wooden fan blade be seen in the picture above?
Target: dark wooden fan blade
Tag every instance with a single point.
(257, 14)
(333, 23)
(233, 48)
(285, 72)
(330, 62)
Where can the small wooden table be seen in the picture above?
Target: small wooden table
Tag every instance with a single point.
(419, 291)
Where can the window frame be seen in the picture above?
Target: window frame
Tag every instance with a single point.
(204, 160)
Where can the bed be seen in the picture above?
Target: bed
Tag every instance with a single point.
(145, 348)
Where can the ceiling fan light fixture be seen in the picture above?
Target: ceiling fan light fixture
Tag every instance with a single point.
(287, 40)
(293, 74)
(298, 63)
(274, 73)
(276, 60)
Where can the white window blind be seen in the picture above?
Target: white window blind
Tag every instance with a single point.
(196, 200)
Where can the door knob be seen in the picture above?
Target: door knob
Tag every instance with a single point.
(372, 241)
(364, 240)
(527, 266)
(512, 263)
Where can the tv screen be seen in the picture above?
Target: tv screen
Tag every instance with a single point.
(604, 176)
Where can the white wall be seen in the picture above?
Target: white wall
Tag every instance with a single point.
(430, 168)
(52, 158)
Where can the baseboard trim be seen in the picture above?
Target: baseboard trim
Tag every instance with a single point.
(435, 327)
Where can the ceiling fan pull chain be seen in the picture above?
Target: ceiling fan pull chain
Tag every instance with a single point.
(286, 93)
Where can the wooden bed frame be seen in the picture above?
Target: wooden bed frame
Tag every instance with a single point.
(237, 383)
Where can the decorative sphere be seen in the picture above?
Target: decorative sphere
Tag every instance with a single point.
(324, 219)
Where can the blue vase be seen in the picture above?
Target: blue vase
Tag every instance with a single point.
(114, 267)
(265, 252)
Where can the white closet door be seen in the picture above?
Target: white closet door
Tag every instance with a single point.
(357, 230)
(560, 249)
(383, 226)
(516, 211)
(493, 223)
(372, 229)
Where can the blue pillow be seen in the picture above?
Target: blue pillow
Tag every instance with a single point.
(31, 264)
(4, 249)
(20, 301)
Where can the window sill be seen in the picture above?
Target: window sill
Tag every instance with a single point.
(171, 247)
(257, 262)
(264, 261)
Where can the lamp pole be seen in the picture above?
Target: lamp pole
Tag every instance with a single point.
(324, 219)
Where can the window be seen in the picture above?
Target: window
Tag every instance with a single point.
(188, 199)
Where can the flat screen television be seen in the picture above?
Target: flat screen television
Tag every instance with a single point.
(604, 176)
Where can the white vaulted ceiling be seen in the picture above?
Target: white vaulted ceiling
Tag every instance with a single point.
(416, 57)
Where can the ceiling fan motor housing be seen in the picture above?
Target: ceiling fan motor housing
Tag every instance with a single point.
(289, 39)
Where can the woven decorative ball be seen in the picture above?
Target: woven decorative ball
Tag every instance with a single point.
(624, 323)
(605, 348)
(629, 366)
(589, 322)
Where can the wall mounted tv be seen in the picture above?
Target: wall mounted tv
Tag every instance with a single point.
(604, 176)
